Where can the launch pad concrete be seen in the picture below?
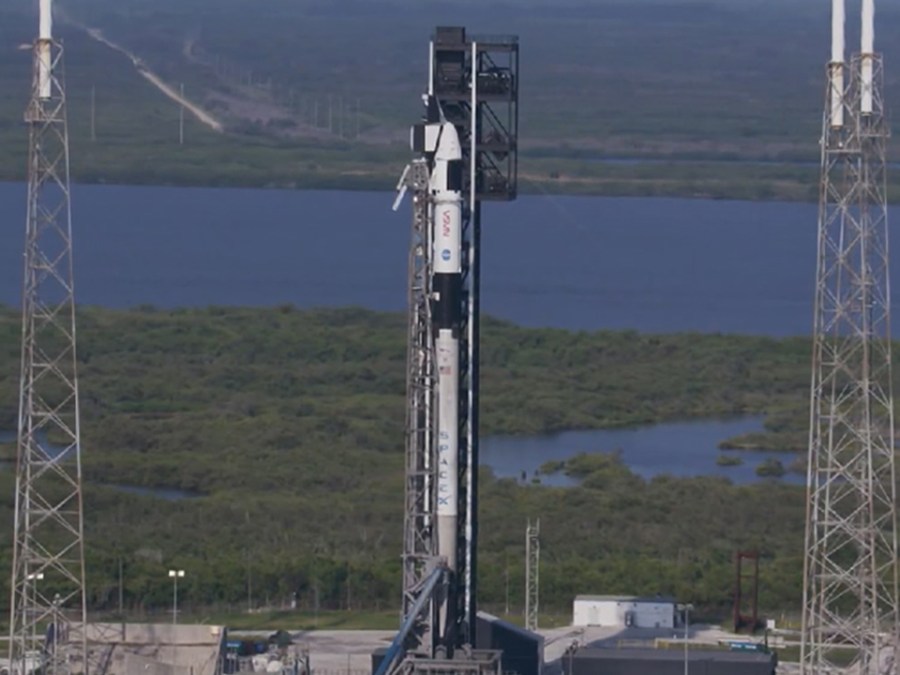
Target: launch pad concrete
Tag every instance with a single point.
(154, 649)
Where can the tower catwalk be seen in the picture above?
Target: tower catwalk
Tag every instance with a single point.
(47, 605)
(850, 610)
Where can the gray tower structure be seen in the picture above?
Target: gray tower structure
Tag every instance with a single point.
(467, 153)
(850, 612)
(532, 574)
(47, 606)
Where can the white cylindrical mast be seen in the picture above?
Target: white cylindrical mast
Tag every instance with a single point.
(836, 66)
(837, 31)
(867, 55)
(45, 39)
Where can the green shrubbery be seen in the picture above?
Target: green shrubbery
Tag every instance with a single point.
(290, 424)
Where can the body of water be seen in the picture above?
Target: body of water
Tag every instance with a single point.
(649, 264)
(678, 449)
(581, 263)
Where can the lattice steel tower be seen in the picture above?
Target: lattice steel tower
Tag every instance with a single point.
(47, 608)
(419, 553)
(532, 574)
(850, 608)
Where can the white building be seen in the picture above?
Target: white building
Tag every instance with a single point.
(625, 611)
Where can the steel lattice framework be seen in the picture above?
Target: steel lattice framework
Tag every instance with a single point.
(47, 615)
(418, 536)
(474, 85)
(532, 574)
(850, 608)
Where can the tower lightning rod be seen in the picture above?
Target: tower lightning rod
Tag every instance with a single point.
(45, 40)
(867, 57)
(836, 66)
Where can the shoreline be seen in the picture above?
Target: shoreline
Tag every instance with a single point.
(341, 183)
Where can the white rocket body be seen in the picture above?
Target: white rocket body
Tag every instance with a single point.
(45, 39)
(446, 281)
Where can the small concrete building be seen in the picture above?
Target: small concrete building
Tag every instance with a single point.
(623, 611)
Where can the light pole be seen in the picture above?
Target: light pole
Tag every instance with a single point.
(175, 575)
(686, 608)
(34, 577)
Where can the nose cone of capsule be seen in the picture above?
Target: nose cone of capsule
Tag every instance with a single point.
(448, 148)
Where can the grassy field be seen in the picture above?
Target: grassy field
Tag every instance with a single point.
(716, 100)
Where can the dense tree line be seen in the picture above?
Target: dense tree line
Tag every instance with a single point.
(285, 428)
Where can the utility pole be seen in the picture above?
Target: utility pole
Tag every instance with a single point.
(93, 113)
(121, 588)
(249, 583)
(181, 117)
(506, 579)
(532, 577)
(850, 605)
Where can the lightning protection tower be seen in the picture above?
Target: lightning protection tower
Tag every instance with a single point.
(532, 574)
(850, 614)
(47, 607)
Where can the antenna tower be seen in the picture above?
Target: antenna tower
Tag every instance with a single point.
(532, 574)
(850, 611)
(47, 606)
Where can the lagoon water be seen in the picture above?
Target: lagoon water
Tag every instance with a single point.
(679, 449)
(648, 264)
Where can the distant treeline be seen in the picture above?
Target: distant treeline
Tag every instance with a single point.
(321, 94)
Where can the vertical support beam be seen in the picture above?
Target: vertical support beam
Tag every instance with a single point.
(473, 306)
(418, 534)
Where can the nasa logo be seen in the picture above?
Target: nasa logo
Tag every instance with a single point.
(445, 223)
(445, 254)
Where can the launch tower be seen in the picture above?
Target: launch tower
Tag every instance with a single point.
(466, 154)
(850, 612)
(47, 606)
